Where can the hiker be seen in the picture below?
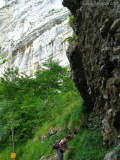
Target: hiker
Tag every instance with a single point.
(63, 147)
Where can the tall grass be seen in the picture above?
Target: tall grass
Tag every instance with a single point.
(88, 146)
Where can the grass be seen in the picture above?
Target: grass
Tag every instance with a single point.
(63, 114)
(34, 151)
(67, 115)
(5, 154)
(88, 146)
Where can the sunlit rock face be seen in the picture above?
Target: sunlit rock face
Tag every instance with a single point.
(31, 31)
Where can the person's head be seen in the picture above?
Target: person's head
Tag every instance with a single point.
(68, 138)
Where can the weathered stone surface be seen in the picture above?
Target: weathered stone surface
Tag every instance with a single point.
(31, 31)
(50, 132)
(111, 156)
(115, 26)
(95, 61)
(54, 130)
(51, 157)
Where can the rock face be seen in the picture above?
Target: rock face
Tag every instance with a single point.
(31, 31)
(95, 61)
(51, 157)
(111, 156)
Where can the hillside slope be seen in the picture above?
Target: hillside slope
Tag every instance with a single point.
(43, 110)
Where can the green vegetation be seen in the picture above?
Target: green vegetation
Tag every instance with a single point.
(117, 148)
(3, 59)
(4, 56)
(52, 10)
(71, 39)
(44, 109)
(70, 18)
(88, 146)
(5, 6)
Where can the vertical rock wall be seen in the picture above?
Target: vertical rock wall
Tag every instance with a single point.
(31, 31)
(95, 60)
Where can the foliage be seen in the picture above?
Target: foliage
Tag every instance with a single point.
(88, 146)
(117, 148)
(2, 58)
(71, 39)
(52, 10)
(94, 122)
(70, 120)
(70, 18)
(6, 6)
(37, 105)
(21, 94)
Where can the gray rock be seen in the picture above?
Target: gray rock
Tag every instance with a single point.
(50, 157)
(31, 32)
(115, 26)
(111, 156)
(95, 62)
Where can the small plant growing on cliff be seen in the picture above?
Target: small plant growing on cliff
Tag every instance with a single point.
(6, 6)
(117, 148)
(52, 10)
(3, 59)
(94, 123)
(71, 39)
(70, 18)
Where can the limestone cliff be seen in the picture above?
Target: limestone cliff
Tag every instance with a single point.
(95, 61)
(31, 31)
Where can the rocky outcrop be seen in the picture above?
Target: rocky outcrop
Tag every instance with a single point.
(31, 31)
(113, 155)
(50, 157)
(95, 61)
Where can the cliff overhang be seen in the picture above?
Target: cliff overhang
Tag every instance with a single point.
(95, 61)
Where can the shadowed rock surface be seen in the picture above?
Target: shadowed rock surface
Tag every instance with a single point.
(95, 61)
